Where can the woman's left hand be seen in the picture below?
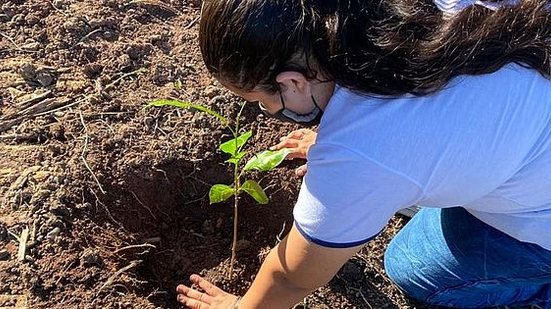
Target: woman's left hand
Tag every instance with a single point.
(299, 142)
(212, 298)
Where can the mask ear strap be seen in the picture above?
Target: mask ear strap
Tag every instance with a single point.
(315, 103)
(281, 99)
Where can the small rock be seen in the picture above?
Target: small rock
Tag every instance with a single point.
(87, 205)
(40, 196)
(52, 186)
(89, 258)
(242, 244)
(208, 227)
(27, 71)
(40, 176)
(53, 233)
(32, 244)
(44, 79)
(3, 233)
(109, 35)
(219, 223)
(29, 258)
(60, 210)
(58, 4)
(92, 70)
(155, 38)
(34, 46)
(217, 99)
(212, 91)
(4, 255)
(18, 19)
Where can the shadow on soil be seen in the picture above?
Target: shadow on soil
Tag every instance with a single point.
(167, 206)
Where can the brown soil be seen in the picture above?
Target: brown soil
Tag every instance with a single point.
(114, 195)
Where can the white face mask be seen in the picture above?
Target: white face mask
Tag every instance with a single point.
(311, 119)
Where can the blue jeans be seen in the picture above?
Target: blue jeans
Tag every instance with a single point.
(447, 257)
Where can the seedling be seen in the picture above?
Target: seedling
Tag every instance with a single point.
(235, 148)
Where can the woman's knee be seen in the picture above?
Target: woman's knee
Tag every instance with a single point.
(430, 260)
(404, 267)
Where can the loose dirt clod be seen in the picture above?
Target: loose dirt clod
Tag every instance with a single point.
(53, 233)
(4, 254)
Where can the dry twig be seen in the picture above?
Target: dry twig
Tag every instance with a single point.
(23, 244)
(192, 23)
(7, 37)
(48, 106)
(84, 38)
(134, 247)
(159, 4)
(143, 205)
(119, 272)
(98, 201)
(36, 98)
(82, 156)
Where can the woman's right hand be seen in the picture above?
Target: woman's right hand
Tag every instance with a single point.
(299, 141)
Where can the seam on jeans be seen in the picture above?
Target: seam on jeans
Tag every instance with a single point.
(472, 283)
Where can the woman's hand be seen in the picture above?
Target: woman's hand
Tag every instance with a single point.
(299, 142)
(212, 298)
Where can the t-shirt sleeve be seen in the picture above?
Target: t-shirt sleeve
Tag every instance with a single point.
(346, 199)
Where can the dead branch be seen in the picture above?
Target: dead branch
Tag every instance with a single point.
(35, 99)
(42, 107)
(48, 106)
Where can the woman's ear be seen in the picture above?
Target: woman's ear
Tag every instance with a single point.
(294, 82)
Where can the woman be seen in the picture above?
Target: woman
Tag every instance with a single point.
(442, 104)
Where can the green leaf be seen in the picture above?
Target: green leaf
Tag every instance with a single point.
(189, 105)
(234, 145)
(267, 160)
(237, 158)
(255, 190)
(219, 193)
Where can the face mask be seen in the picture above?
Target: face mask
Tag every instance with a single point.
(311, 119)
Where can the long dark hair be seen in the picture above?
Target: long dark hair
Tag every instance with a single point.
(387, 47)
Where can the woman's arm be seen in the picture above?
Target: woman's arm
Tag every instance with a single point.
(292, 270)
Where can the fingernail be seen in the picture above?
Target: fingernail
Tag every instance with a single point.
(272, 148)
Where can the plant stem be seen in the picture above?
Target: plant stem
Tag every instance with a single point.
(235, 220)
(236, 188)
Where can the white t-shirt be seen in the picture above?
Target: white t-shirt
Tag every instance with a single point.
(483, 142)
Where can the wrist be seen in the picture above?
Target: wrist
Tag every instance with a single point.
(236, 303)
